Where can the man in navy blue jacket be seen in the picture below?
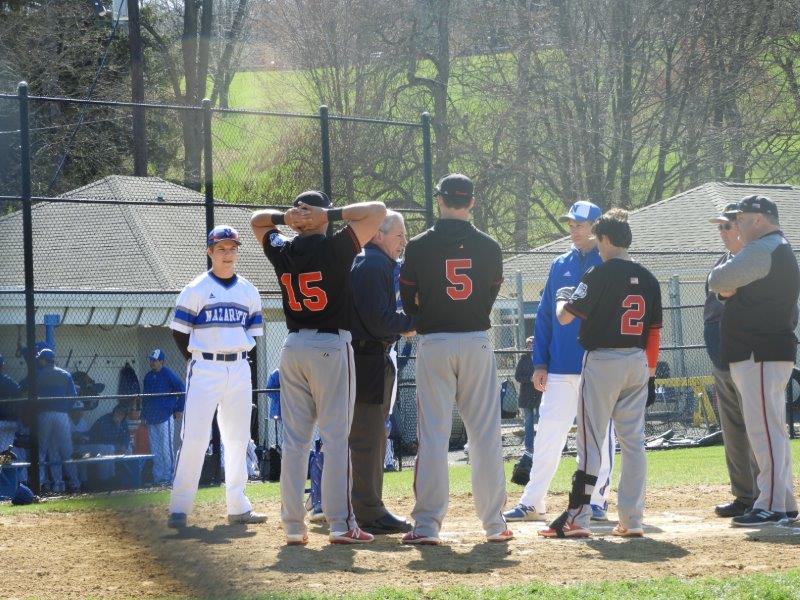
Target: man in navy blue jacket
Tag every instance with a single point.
(376, 325)
(162, 413)
(557, 360)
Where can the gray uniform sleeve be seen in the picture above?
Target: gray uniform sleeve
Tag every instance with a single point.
(752, 263)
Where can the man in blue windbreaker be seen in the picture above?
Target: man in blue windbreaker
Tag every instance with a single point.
(162, 414)
(557, 361)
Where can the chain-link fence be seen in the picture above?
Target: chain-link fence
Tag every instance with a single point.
(97, 251)
(95, 257)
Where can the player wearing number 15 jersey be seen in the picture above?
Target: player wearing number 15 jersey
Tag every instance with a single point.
(619, 304)
(316, 366)
(450, 279)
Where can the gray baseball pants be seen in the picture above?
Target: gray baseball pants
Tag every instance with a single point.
(614, 386)
(742, 465)
(460, 368)
(317, 387)
(762, 386)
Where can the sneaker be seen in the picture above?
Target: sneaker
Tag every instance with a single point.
(176, 520)
(296, 539)
(599, 512)
(315, 515)
(503, 536)
(420, 540)
(631, 532)
(732, 509)
(248, 518)
(524, 513)
(571, 530)
(563, 528)
(354, 536)
(791, 515)
(757, 517)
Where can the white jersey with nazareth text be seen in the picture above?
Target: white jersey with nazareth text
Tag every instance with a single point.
(220, 316)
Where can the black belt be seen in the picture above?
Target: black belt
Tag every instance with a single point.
(372, 346)
(321, 330)
(225, 357)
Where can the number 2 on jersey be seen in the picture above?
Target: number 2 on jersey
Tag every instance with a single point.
(462, 284)
(315, 299)
(631, 323)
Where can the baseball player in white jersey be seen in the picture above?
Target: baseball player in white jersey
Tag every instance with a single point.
(216, 318)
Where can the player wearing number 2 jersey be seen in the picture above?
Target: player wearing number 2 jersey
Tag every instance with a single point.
(450, 279)
(316, 367)
(619, 304)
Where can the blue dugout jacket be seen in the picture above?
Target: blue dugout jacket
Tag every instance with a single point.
(158, 409)
(555, 346)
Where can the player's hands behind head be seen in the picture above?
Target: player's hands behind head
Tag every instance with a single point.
(296, 218)
(315, 217)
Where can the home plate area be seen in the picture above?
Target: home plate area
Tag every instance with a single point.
(109, 554)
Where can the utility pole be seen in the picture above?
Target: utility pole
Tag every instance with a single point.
(137, 90)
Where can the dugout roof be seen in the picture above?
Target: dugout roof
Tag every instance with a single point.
(122, 246)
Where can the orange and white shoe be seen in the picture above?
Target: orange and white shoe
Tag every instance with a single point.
(503, 536)
(632, 532)
(353, 536)
(568, 530)
(297, 539)
(420, 540)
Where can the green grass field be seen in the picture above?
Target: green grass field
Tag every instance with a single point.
(776, 586)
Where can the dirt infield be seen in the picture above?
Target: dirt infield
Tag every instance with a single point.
(114, 555)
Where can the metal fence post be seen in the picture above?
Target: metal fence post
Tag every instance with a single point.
(520, 312)
(324, 132)
(208, 188)
(208, 167)
(30, 307)
(427, 167)
(677, 325)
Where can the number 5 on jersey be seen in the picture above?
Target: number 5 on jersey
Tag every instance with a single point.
(462, 284)
(314, 298)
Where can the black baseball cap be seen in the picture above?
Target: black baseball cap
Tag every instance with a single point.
(727, 215)
(313, 198)
(456, 187)
(756, 204)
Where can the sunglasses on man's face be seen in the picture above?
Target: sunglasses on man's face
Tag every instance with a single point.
(725, 226)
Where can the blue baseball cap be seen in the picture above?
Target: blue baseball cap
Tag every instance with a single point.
(47, 354)
(157, 354)
(582, 210)
(221, 233)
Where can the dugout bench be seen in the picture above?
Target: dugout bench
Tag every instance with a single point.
(128, 475)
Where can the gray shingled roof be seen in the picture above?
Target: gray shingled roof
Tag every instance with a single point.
(99, 246)
(680, 224)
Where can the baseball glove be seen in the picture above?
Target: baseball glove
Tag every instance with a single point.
(651, 391)
(564, 293)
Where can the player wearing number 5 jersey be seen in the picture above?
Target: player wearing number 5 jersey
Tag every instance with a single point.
(619, 304)
(450, 279)
(316, 367)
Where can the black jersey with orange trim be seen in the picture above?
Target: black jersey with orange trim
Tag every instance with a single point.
(618, 301)
(450, 277)
(314, 276)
